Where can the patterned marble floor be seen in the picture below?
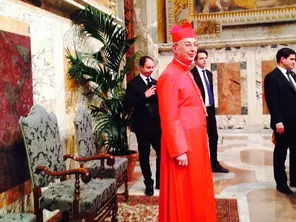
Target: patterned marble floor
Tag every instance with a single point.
(250, 180)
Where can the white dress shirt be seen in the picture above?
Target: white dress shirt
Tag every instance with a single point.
(145, 78)
(284, 71)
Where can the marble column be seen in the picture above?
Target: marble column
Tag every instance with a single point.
(145, 27)
(251, 86)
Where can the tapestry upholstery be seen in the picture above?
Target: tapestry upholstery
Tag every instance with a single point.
(83, 129)
(92, 194)
(93, 166)
(86, 148)
(118, 168)
(43, 145)
(14, 217)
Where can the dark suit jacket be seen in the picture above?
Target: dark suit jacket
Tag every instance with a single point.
(281, 99)
(198, 81)
(145, 118)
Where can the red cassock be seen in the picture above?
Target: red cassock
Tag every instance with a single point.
(186, 192)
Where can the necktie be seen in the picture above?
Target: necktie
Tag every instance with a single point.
(149, 83)
(210, 94)
(290, 79)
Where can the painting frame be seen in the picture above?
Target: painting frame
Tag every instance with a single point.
(182, 10)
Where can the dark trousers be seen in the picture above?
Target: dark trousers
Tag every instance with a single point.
(283, 142)
(212, 134)
(144, 141)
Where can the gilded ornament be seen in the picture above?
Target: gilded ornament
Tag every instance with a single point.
(179, 5)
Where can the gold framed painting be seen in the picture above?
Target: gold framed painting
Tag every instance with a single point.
(242, 11)
(212, 6)
(208, 16)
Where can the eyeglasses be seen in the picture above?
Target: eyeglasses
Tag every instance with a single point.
(188, 44)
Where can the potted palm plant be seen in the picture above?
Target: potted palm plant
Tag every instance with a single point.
(104, 72)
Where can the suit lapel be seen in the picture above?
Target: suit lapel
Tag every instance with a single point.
(197, 77)
(141, 83)
(198, 81)
(153, 81)
(283, 78)
(293, 76)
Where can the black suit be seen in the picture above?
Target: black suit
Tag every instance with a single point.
(281, 101)
(211, 118)
(145, 124)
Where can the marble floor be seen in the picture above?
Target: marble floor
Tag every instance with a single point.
(250, 180)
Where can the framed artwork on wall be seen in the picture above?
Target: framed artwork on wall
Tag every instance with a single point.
(210, 6)
(209, 17)
(16, 92)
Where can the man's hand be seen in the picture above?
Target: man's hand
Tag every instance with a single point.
(280, 128)
(182, 160)
(150, 92)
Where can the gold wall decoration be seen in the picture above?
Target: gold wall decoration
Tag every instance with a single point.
(112, 6)
(170, 18)
(174, 10)
(161, 21)
(72, 93)
(206, 29)
(179, 6)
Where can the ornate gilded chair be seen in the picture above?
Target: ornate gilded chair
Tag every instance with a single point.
(92, 200)
(86, 148)
(13, 217)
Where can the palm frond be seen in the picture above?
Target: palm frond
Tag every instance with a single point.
(114, 37)
(96, 24)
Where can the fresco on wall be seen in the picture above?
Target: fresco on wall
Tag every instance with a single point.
(207, 6)
(16, 95)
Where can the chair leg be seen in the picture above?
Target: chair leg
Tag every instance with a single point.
(114, 208)
(126, 195)
(37, 210)
(65, 216)
(90, 217)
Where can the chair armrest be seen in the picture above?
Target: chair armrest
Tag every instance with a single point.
(85, 175)
(110, 158)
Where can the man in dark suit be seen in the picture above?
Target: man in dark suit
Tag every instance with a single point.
(204, 80)
(141, 96)
(280, 95)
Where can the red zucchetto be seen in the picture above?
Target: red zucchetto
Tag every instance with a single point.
(181, 32)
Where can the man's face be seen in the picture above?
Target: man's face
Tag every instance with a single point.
(185, 50)
(148, 68)
(288, 63)
(201, 60)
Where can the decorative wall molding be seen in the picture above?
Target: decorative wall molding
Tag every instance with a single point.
(248, 16)
(217, 43)
(66, 8)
